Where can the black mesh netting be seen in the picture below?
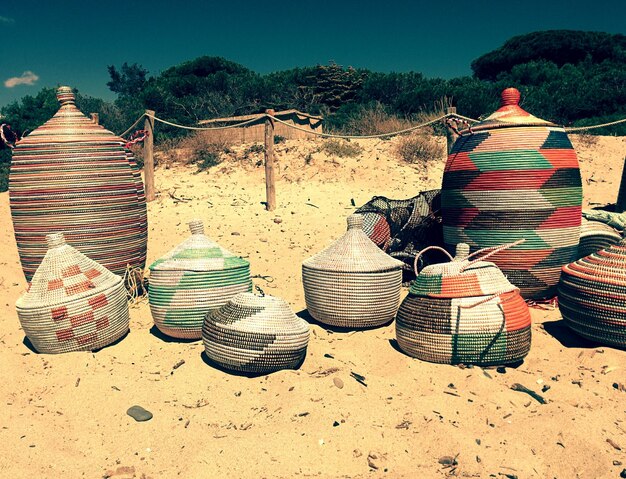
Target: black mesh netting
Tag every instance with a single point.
(402, 228)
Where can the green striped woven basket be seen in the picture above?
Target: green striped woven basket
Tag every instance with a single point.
(194, 278)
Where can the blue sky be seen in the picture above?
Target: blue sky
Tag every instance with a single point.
(46, 43)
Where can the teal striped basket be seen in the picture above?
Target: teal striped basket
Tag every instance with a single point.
(194, 278)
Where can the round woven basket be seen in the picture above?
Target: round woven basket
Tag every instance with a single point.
(73, 303)
(592, 295)
(74, 176)
(352, 283)
(596, 235)
(192, 279)
(255, 334)
(515, 176)
(464, 312)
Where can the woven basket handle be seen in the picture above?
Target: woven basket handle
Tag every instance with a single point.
(486, 300)
(490, 250)
(417, 257)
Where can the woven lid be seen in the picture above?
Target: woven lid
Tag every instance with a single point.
(604, 266)
(461, 278)
(510, 114)
(198, 253)
(69, 125)
(249, 312)
(354, 252)
(65, 274)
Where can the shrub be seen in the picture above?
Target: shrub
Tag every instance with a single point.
(279, 139)
(419, 147)
(341, 148)
(204, 150)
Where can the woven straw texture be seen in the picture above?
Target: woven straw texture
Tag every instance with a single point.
(74, 176)
(352, 283)
(515, 176)
(592, 296)
(464, 312)
(255, 334)
(73, 303)
(195, 277)
(596, 235)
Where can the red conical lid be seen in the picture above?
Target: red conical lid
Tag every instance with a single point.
(510, 114)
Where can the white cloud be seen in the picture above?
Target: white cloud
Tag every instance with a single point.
(27, 78)
(6, 19)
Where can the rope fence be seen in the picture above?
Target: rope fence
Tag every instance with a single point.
(451, 120)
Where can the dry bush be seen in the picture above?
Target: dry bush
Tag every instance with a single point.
(204, 149)
(585, 139)
(375, 120)
(418, 147)
(341, 148)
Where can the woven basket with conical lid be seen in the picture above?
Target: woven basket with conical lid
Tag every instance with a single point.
(73, 303)
(592, 295)
(255, 334)
(352, 283)
(515, 176)
(75, 176)
(195, 277)
(464, 311)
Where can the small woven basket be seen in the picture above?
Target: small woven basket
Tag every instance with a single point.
(255, 334)
(464, 312)
(352, 283)
(592, 296)
(73, 303)
(594, 236)
(195, 277)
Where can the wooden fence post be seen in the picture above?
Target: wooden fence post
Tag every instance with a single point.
(270, 189)
(451, 136)
(148, 156)
(95, 118)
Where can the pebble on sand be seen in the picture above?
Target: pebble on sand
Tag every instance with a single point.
(139, 414)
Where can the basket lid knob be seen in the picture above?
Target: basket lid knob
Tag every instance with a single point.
(65, 95)
(55, 240)
(510, 96)
(196, 227)
(462, 251)
(355, 221)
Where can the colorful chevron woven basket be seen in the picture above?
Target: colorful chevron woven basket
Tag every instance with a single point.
(73, 303)
(592, 296)
(74, 176)
(255, 334)
(195, 277)
(352, 283)
(515, 176)
(464, 312)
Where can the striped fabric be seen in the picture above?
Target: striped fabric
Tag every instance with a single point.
(74, 176)
(515, 176)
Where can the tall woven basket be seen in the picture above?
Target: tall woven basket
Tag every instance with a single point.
(464, 312)
(255, 334)
(73, 303)
(195, 277)
(592, 296)
(515, 176)
(74, 176)
(352, 283)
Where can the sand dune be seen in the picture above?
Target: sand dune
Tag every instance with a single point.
(65, 416)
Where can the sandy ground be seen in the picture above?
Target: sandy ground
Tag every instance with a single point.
(65, 416)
